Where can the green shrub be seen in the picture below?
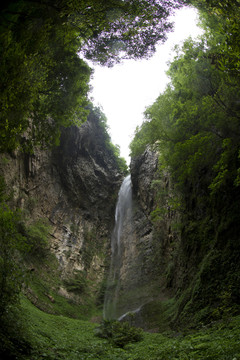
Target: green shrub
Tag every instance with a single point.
(12, 245)
(37, 235)
(119, 333)
(14, 342)
(78, 284)
(12, 274)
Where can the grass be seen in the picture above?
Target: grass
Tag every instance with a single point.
(55, 337)
(58, 337)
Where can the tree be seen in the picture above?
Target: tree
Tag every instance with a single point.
(127, 29)
(113, 150)
(13, 246)
(44, 81)
(196, 119)
(11, 273)
(195, 126)
(221, 19)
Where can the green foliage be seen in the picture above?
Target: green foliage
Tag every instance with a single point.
(188, 122)
(194, 125)
(221, 20)
(14, 342)
(26, 264)
(78, 284)
(37, 234)
(13, 246)
(126, 29)
(44, 81)
(114, 150)
(119, 333)
(213, 343)
(58, 337)
(225, 308)
(43, 289)
(158, 214)
(121, 162)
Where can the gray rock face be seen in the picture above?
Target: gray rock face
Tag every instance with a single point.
(75, 187)
(136, 281)
(143, 172)
(88, 170)
(147, 243)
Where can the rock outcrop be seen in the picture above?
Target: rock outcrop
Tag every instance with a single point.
(148, 244)
(74, 187)
(143, 173)
(136, 283)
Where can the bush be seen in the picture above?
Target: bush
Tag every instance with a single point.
(78, 284)
(12, 245)
(12, 274)
(119, 333)
(14, 335)
(37, 235)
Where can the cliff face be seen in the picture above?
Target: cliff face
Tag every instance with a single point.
(74, 187)
(149, 241)
(170, 262)
(89, 184)
(142, 264)
(137, 273)
(186, 267)
(143, 172)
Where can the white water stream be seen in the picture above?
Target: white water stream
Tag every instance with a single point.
(123, 215)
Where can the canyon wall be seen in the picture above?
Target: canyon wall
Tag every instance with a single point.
(186, 268)
(73, 188)
(172, 257)
(147, 243)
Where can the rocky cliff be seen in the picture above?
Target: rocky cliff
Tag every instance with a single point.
(171, 259)
(148, 242)
(138, 271)
(186, 268)
(74, 188)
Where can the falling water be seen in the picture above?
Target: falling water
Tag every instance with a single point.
(123, 215)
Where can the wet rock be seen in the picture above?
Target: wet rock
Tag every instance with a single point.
(143, 172)
(75, 187)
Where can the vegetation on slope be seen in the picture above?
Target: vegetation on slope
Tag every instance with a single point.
(45, 81)
(57, 337)
(28, 265)
(195, 126)
(114, 150)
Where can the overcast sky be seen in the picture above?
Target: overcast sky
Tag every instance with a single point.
(124, 91)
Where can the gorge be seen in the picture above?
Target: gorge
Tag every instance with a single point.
(85, 240)
(72, 193)
(156, 276)
(107, 247)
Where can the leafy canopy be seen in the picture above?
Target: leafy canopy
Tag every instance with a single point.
(44, 80)
(194, 125)
(195, 122)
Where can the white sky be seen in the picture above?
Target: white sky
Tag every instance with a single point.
(124, 91)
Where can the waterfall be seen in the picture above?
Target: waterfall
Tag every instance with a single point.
(123, 216)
